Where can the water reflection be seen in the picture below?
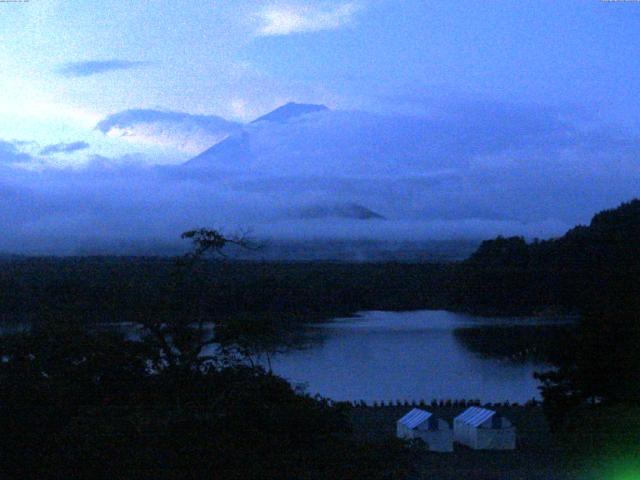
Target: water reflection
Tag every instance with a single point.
(408, 355)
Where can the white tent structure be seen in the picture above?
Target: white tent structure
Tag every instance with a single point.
(484, 429)
(433, 431)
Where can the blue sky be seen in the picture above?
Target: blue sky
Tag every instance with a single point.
(521, 87)
(240, 58)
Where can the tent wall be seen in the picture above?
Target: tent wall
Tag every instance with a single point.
(483, 429)
(402, 431)
(462, 433)
(437, 440)
(485, 438)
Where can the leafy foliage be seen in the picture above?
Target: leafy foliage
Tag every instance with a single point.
(78, 402)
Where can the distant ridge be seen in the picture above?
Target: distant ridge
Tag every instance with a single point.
(289, 111)
(349, 210)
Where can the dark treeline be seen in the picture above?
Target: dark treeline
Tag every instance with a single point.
(113, 288)
(587, 267)
(515, 343)
(505, 276)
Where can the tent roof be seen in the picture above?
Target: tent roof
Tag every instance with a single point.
(475, 416)
(415, 417)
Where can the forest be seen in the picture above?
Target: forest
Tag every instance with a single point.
(76, 400)
(505, 276)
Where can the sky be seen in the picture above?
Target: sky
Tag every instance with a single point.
(91, 87)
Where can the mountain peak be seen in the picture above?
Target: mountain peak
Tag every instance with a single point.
(353, 211)
(290, 110)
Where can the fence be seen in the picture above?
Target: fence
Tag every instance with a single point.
(459, 403)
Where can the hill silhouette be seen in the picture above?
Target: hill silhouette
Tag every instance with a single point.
(589, 265)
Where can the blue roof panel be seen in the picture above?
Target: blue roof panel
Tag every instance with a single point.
(414, 418)
(475, 416)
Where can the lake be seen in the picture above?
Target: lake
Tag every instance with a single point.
(383, 356)
(389, 356)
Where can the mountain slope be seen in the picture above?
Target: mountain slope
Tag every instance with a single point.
(289, 111)
(352, 211)
(332, 143)
(233, 151)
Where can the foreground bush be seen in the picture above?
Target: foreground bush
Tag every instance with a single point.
(76, 404)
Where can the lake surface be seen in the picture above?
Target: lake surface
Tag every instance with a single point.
(389, 356)
(407, 355)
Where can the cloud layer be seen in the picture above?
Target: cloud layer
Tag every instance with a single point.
(64, 148)
(289, 19)
(181, 131)
(95, 67)
(469, 171)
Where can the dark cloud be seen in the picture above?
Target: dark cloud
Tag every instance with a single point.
(64, 148)
(95, 67)
(130, 118)
(11, 154)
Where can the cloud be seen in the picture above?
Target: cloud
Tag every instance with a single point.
(472, 171)
(64, 148)
(19, 156)
(95, 67)
(178, 130)
(289, 19)
(10, 154)
(360, 143)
